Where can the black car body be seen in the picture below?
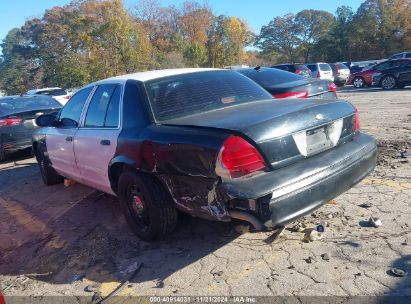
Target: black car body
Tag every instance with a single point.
(282, 84)
(211, 143)
(17, 116)
(395, 77)
(296, 68)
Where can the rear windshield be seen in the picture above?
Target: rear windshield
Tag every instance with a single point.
(188, 94)
(312, 67)
(342, 66)
(56, 92)
(270, 77)
(324, 67)
(12, 105)
(301, 67)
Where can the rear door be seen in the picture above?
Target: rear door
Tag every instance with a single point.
(404, 78)
(60, 139)
(95, 142)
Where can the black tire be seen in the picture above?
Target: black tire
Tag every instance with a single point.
(146, 205)
(2, 154)
(358, 82)
(388, 82)
(48, 174)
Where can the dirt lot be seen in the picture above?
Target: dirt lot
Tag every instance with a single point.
(62, 240)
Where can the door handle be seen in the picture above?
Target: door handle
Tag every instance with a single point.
(69, 138)
(105, 142)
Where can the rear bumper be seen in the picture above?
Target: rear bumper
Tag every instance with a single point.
(299, 189)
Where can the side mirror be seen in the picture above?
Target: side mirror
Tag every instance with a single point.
(46, 120)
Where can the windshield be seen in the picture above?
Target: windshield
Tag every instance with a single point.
(188, 94)
(12, 105)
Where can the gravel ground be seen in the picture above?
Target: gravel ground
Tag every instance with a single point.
(73, 240)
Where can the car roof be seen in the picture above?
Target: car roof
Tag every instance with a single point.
(150, 75)
(44, 89)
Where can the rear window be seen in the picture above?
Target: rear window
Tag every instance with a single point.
(23, 104)
(270, 77)
(312, 67)
(188, 94)
(56, 92)
(342, 66)
(301, 67)
(324, 67)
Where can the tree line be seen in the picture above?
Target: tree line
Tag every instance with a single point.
(88, 40)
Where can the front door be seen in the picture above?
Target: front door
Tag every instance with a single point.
(60, 139)
(95, 142)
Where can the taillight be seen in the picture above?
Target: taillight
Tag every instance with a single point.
(357, 120)
(67, 97)
(332, 87)
(237, 157)
(302, 94)
(298, 71)
(318, 74)
(10, 121)
(337, 70)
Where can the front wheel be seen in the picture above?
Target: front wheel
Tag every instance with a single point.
(146, 205)
(358, 82)
(48, 174)
(388, 83)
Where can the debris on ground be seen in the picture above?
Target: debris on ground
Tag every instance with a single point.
(320, 227)
(398, 272)
(298, 227)
(69, 182)
(133, 267)
(365, 205)
(325, 257)
(242, 229)
(159, 283)
(375, 222)
(92, 287)
(309, 260)
(312, 235)
(389, 150)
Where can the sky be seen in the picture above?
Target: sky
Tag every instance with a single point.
(257, 13)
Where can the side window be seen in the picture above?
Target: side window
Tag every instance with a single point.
(101, 104)
(408, 55)
(96, 111)
(382, 66)
(70, 114)
(113, 109)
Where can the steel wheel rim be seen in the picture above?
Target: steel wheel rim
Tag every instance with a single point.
(137, 207)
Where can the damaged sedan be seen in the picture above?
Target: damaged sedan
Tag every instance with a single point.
(210, 143)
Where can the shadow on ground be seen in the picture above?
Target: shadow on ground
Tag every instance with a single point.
(62, 234)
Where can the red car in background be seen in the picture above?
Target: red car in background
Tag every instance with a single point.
(364, 78)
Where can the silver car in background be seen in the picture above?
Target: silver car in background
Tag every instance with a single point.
(341, 73)
(321, 70)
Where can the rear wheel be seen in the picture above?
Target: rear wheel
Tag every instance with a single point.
(388, 82)
(2, 153)
(146, 206)
(358, 82)
(48, 174)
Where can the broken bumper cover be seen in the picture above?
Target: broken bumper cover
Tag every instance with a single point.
(298, 189)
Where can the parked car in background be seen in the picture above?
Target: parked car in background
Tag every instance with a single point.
(282, 84)
(296, 68)
(394, 77)
(17, 115)
(340, 72)
(400, 55)
(59, 94)
(364, 78)
(321, 70)
(211, 143)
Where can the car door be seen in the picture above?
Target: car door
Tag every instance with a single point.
(59, 139)
(404, 77)
(95, 142)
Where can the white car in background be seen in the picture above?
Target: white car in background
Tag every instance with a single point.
(321, 70)
(59, 94)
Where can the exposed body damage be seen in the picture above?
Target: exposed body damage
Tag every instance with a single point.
(261, 160)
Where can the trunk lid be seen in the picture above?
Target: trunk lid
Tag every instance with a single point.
(273, 124)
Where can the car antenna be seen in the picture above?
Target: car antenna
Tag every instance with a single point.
(257, 68)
